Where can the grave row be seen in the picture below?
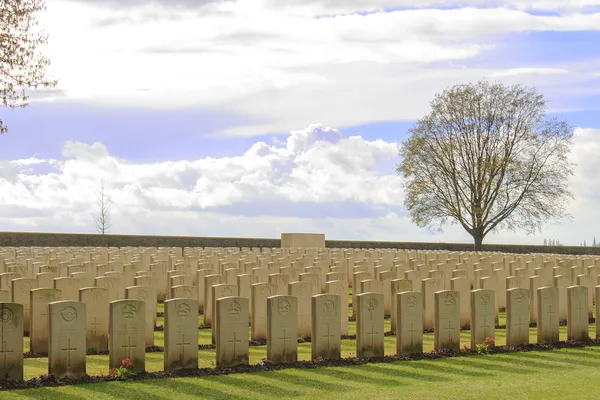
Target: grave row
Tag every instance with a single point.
(66, 339)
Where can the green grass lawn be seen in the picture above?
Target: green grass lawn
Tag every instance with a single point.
(559, 374)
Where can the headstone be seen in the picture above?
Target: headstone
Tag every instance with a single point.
(340, 288)
(577, 313)
(369, 325)
(397, 286)
(232, 332)
(218, 291)
(69, 288)
(66, 349)
(148, 296)
(209, 281)
(463, 287)
(260, 293)
(547, 315)
(38, 334)
(110, 283)
(517, 317)
(409, 316)
(21, 288)
(96, 326)
(326, 335)
(11, 341)
(302, 291)
(282, 328)
(181, 334)
(446, 334)
(482, 316)
(127, 334)
(429, 287)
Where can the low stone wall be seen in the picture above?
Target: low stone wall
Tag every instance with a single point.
(27, 239)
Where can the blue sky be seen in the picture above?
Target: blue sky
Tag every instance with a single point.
(255, 117)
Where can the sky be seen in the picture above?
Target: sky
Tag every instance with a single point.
(250, 118)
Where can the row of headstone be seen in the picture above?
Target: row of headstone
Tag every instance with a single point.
(66, 336)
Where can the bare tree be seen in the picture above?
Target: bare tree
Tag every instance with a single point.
(103, 216)
(486, 157)
(21, 65)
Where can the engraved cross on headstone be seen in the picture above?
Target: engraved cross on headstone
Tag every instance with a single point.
(520, 325)
(128, 346)
(328, 336)
(94, 326)
(371, 334)
(449, 329)
(182, 345)
(69, 350)
(485, 327)
(579, 309)
(412, 333)
(235, 342)
(4, 351)
(285, 339)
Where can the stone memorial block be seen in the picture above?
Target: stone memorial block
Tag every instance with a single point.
(577, 313)
(21, 288)
(66, 348)
(463, 287)
(409, 316)
(398, 286)
(219, 291)
(69, 288)
(282, 328)
(144, 280)
(517, 317)
(325, 334)
(340, 288)
(110, 283)
(148, 296)
(126, 333)
(181, 334)
(260, 293)
(482, 316)
(209, 282)
(96, 326)
(429, 287)
(5, 295)
(369, 325)
(232, 342)
(11, 341)
(446, 334)
(547, 315)
(302, 291)
(38, 333)
(357, 277)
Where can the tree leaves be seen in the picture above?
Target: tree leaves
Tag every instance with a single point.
(21, 66)
(487, 158)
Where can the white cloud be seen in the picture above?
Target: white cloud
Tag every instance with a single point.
(320, 180)
(273, 61)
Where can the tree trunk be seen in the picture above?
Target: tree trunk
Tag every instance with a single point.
(478, 238)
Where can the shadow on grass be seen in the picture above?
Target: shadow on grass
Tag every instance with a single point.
(345, 374)
(254, 384)
(49, 393)
(301, 380)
